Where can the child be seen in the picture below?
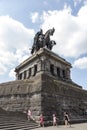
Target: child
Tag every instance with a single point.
(29, 114)
(41, 120)
(54, 120)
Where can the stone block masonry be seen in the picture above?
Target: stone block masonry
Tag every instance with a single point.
(44, 85)
(21, 95)
(43, 94)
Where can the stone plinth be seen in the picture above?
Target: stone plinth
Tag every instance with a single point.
(44, 85)
(44, 60)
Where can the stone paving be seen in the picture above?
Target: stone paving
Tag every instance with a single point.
(82, 126)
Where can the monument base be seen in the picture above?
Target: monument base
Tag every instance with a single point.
(44, 94)
(44, 85)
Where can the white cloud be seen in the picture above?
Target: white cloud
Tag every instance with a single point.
(7, 58)
(82, 13)
(70, 31)
(12, 74)
(13, 36)
(34, 17)
(2, 69)
(22, 54)
(81, 63)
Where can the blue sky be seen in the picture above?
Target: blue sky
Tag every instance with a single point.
(21, 19)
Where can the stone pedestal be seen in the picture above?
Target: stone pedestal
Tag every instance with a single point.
(44, 85)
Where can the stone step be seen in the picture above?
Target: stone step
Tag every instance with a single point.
(13, 123)
(16, 122)
(17, 125)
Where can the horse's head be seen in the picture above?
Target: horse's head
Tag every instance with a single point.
(49, 32)
(47, 37)
(52, 31)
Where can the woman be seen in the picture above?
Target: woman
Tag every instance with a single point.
(66, 119)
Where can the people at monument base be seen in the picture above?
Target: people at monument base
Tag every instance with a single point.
(41, 120)
(29, 114)
(54, 120)
(67, 119)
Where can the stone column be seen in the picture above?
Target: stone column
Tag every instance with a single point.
(27, 74)
(47, 66)
(68, 73)
(61, 74)
(39, 66)
(55, 70)
(22, 75)
(32, 71)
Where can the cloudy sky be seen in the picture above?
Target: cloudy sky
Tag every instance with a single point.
(21, 19)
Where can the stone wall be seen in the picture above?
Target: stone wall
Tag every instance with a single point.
(59, 96)
(45, 94)
(21, 95)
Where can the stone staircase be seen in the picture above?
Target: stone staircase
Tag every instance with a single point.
(15, 121)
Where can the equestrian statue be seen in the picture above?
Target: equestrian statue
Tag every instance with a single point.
(43, 40)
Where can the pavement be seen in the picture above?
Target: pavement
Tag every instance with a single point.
(82, 126)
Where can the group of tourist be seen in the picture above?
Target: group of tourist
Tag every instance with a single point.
(54, 119)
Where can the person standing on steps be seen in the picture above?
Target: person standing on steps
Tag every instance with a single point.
(29, 114)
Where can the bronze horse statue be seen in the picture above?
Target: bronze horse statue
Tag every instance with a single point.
(43, 40)
(47, 42)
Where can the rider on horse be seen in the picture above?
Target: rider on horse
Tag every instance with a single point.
(42, 40)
